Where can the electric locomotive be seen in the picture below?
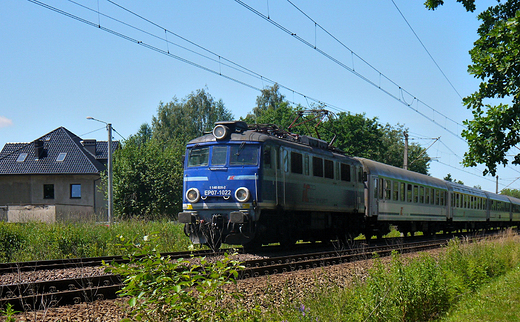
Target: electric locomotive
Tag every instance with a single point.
(252, 184)
(256, 184)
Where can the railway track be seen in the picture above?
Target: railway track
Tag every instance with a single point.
(83, 262)
(41, 295)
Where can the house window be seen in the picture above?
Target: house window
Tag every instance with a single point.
(48, 191)
(75, 191)
(61, 157)
(21, 157)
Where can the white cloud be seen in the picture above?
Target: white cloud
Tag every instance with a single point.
(4, 121)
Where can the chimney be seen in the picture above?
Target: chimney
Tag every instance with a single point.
(38, 149)
(90, 146)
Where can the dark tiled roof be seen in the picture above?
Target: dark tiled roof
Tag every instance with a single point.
(102, 149)
(77, 160)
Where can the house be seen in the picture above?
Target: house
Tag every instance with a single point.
(56, 177)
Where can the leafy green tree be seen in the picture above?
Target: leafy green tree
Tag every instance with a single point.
(282, 116)
(189, 118)
(148, 179)
(450, 179)
(354, 134)
(511, 192)
(495, 128)
(269, 99)
(148, 169)
(393, 143)
(433, 4)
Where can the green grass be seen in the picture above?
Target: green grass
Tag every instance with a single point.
(41, 241)
(494, 302)
(425, 288)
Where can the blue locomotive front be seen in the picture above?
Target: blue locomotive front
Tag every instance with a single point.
(221, 186)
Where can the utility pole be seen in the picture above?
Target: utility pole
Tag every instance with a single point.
(405, 163)
(110, 185)
(497, 185)
(109, 169)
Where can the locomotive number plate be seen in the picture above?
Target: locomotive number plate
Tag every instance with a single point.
(217, 193)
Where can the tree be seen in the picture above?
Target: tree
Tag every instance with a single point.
(393, 141)
(189, 118)
(269, 99)
(511, 192)
(450, 179)
(355, 134)
(148, 171)
(148, 179)
(433, 4)
(495, 128)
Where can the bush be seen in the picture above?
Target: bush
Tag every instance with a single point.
(11, 241)
(424, 288)
(161, 289)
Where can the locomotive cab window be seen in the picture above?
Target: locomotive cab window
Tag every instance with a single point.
(198, 157)
(219, 155)
(243, 154)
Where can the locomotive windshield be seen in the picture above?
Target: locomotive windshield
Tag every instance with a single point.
(198, 157)
(217, 155)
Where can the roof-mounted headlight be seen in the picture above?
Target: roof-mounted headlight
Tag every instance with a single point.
(220, 132)
(193, 195)
(242, 194)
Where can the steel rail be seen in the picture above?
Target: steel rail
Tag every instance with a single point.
(42, 295)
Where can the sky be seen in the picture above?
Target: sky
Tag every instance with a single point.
(61, 61)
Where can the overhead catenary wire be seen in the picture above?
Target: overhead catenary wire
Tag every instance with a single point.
(232, 65)
(169, 54)
(426, 49)
(352, 70)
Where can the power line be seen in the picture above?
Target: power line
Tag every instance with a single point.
(448, 165)
(167, 53)
(427, 51)
(401, 90)
(233, 65)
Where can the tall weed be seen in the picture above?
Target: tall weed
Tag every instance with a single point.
(43, 241)
(424, 288)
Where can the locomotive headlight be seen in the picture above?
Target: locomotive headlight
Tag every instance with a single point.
(242, 194)
(220, 132)
(193, 195)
